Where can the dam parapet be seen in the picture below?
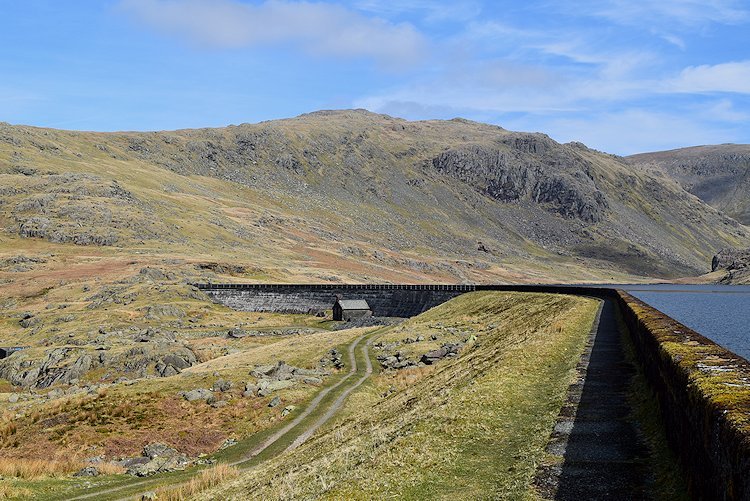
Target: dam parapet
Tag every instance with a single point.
(703, 392)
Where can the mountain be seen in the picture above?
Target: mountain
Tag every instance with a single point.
(342, 196)
(719, 175)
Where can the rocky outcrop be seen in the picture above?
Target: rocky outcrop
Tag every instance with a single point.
(736, 262)
(82, 209)
(66, 365)
(271, 378)
(528, 168)
(158, 458)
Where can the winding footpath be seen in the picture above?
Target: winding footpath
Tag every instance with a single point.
(306, 433)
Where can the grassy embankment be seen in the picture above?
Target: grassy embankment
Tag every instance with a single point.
(470, 427)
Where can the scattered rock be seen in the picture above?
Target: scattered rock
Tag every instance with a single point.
(89, 471)
(161, 458)
(275, 401)
(287, 410)
(230, 442)
(447, 350)
(332, 358)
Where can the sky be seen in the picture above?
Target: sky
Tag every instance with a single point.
(622, 76)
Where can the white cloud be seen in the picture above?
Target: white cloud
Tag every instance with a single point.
(319, 28)
(725, 77)
(724, 111)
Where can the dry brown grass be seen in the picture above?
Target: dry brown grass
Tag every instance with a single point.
(208, 478)
(109, 468)
(30, 469)
(7, 429)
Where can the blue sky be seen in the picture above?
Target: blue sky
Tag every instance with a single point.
(621, 76)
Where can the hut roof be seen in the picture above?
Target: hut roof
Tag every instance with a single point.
(353, 304)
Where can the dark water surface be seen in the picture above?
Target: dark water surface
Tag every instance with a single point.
(719, 312)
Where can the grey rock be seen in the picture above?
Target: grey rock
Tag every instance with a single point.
(447, 350)
(89, 471)
(198, 394)
(275, 401)
(222, 385)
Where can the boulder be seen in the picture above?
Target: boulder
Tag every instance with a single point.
(237, 333)
(198, 394)
(447, 350)
(89, 471)
(161, 458)
(222, 385)
(275, 401)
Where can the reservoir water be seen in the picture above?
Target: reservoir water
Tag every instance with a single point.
(719, 312)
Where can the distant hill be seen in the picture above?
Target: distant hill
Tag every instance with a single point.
(354, 196)
(718, 175)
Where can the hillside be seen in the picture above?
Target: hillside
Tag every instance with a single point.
(342, 196)
(719, 175)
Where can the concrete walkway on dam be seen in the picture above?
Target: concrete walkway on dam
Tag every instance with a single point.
(603, 456)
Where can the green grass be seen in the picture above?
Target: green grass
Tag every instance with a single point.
(473, 427)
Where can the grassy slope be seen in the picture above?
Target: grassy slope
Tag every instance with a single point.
(471, 427)
(360, 206)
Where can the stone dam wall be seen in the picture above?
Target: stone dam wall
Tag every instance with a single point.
(703, 390)
(384, 300)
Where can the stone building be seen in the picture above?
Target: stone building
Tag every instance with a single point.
(351, 309)
(6, 351)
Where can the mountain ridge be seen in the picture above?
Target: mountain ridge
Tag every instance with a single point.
(354, 195)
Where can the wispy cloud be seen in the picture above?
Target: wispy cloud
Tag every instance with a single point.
(677, 13)
(725, 77)
(636, 130)
(319, 28)
(429, 10)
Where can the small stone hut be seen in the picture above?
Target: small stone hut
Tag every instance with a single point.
(6, 351)
(351, 309)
